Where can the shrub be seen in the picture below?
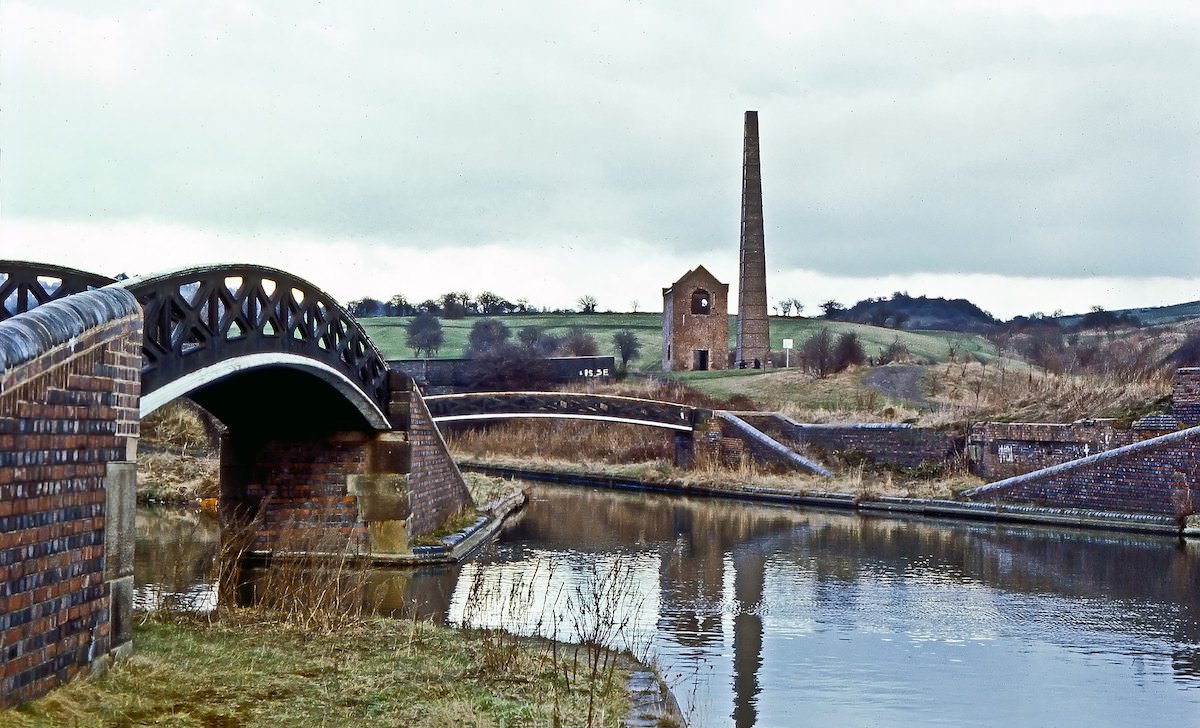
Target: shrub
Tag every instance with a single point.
(486, 334)
(425, 334)
(578, 343)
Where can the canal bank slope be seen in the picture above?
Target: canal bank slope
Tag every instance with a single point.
(867, 503)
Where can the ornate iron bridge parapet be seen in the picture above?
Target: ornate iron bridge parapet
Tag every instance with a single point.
(25, 285)
(564, 405)
(200, 317)
(222, 318)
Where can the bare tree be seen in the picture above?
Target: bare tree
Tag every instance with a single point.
(587, 303)
(832, 309)
(489, 303)
(451, 305)
(486, 334)
(398, 305)
(817, 353)
(536, 340)
(848, 352)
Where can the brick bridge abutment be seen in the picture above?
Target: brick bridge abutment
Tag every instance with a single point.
(367, 492)
(68, 447)
(69, 419)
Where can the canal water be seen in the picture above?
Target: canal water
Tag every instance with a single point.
(769, 616)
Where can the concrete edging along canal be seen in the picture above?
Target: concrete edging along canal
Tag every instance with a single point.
(882, 505)
(461, 544)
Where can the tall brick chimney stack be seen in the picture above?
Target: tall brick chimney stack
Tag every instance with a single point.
(753, 327)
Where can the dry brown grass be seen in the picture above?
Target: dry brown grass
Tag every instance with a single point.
(487, 489)
(746, 475)
(245, 669)
(177, 458)
(669, 390)
(1018, 393)
(180, 426)
(175, 478)
(562, 440)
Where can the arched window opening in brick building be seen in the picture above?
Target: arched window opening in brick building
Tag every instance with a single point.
(701, 302)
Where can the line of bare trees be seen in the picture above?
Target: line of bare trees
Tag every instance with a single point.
(460, 304)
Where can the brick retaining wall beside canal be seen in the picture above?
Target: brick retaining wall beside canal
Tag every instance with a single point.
(1160, 475)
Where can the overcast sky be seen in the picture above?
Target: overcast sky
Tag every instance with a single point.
(1024, 158)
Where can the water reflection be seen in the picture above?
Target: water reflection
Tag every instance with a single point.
(773, 616)
(175, 553)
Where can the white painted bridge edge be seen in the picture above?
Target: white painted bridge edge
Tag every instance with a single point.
(551, 415)
(185, 385)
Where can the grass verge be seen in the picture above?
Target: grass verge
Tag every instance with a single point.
(246, 670)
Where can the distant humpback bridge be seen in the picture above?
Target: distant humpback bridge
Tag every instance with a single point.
(483, 406)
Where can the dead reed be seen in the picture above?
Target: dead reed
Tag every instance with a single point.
(587, 618)
(558, 440)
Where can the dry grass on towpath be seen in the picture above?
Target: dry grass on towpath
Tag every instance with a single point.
(240, 671)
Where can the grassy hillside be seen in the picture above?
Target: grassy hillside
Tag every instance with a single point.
(924, 346)
(389, 333)
(1156, 316)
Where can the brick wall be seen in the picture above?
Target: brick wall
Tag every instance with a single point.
(715, 445)
(299, 488)
(436, 487)
(1160, 475)
(1003, 450)
(313, 492)
(1185, 396)
(898, 445)
(68, 415)
(685, 332)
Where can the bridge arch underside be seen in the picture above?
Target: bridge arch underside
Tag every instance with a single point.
(273, 394)
(296, 434)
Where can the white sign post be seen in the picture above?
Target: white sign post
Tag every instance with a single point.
(787, 353)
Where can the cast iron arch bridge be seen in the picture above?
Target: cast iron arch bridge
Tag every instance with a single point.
(204, 325)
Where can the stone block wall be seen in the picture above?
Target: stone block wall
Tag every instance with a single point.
(1003, 450)
(68, 433)
(1160, 475)
(1185, 396)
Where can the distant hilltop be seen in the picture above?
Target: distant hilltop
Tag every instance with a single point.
(903, 311)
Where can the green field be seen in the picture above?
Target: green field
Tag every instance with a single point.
(924, 346)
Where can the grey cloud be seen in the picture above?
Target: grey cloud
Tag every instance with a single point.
(918, 142)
